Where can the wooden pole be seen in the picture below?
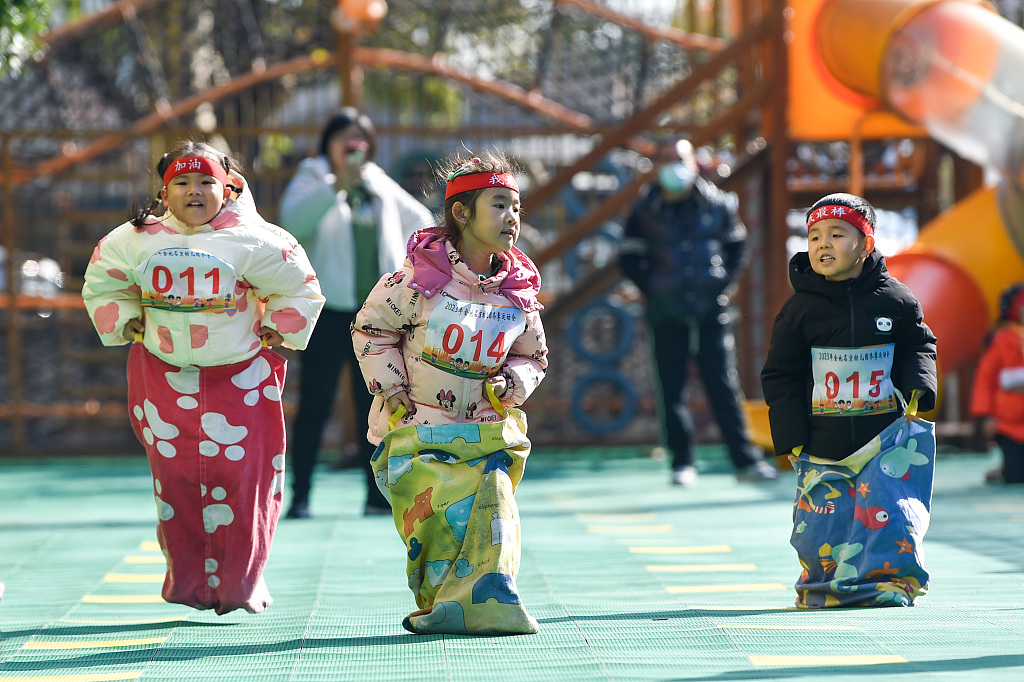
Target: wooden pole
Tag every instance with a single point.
(11, 240)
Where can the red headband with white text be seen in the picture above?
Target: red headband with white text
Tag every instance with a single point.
(195, 164)
(844, 213)
(471, 181)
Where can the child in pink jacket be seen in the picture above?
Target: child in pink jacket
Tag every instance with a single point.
(461, 312)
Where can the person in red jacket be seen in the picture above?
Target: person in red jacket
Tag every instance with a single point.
(998, 392)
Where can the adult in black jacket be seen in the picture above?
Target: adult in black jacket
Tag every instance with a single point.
(684, 247)
(858, 330)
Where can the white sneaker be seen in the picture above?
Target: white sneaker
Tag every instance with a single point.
(758, 472)
(686, 477)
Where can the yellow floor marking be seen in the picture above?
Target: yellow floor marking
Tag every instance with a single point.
(638, 530)
(823, 626)
(122, 599)
(150, 546)
(825, 660)
(1017, 519)
(706, 549)
(681, 568)
(145, 559)
(751, 587)
(78, 677)
(98, 644)
(134, 577)
(617, 518)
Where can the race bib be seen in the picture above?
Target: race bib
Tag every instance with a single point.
(471, 339)
(851, 382)
(187, 281)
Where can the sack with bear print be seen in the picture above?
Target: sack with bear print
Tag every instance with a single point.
(451, 489)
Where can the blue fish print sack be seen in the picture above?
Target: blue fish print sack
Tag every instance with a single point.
(858, 523)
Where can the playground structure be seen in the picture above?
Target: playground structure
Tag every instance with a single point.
(952, 68)
(753, 77)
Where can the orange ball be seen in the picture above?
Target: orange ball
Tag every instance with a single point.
(364, 11)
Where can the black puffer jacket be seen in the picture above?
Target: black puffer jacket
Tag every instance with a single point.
(842, 314)
(684, 254)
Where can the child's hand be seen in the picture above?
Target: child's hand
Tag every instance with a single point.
(401, 398)
(271, 337)
(131, 328)
(500, 385)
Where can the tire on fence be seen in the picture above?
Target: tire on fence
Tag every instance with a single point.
(582, 401)
(626, 327)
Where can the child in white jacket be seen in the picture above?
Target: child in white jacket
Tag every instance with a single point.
(203, 292)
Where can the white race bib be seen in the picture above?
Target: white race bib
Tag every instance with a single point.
(187, 281)
(852, 381)
(471, 339)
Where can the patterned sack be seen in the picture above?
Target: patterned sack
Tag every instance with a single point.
(451, 488)
(858, 523)
(215, 440)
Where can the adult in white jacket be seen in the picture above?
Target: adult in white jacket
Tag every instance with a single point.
(354, 222)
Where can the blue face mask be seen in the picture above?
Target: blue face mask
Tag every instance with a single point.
(676, 177)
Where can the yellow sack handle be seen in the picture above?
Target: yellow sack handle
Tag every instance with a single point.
(912, 405)
(495, 403)
(396, 417)
(401, 410)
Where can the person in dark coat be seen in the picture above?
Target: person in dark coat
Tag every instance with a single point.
(685, 247)
(848, 338)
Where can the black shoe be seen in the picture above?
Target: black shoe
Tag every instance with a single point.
(299, 510)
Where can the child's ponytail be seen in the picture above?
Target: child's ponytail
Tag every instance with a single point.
(137, 214)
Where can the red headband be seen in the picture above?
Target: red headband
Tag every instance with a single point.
(471, 181)
(195, 164)
(844, 213)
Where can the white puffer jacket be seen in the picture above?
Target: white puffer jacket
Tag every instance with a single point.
(204, 292)
(320, 218)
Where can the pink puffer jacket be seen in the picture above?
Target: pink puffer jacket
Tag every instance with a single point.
(438, 331)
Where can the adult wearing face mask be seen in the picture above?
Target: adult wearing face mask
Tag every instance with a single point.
(685, 247)
(354, 222)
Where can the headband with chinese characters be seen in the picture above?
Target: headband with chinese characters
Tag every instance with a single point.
(844, 213)
(471, 181)
(195, 164)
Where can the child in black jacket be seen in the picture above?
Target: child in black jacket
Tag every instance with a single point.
(846, 348)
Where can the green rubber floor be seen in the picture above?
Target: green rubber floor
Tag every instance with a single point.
(629, 577)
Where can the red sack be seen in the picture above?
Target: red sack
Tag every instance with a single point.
(215, 439)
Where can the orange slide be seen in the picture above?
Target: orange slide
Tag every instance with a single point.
(880, 68)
